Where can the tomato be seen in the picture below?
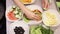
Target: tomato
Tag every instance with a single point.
(11, 16)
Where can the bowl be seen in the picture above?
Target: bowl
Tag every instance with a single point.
(28, 1)
(9, 10)
(51, 18)
(32, 8)
(18, 24)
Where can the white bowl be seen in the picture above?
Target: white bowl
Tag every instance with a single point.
(55, 12)
(7, 11)
(33, 7)
(18, 24)
(31, 2)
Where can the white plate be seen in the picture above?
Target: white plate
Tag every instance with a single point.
(31, 2)
(53, 12)
(18, 23)
(8, 10)
(33, 7)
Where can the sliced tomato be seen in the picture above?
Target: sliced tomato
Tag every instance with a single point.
(11, 16)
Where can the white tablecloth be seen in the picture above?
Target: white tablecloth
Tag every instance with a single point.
(10, 3)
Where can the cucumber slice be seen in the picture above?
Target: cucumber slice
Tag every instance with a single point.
(18, 16)
(15, 12)
(17, 8)
(20, 13)
(32, 30)
(25, 19)
(38, 31)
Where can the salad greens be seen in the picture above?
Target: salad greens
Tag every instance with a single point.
(46, 31)
(40, 30)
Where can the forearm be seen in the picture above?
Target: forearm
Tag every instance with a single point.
(21, 6)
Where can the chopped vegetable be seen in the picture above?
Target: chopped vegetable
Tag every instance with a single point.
(46, 31)
(26, 19)
(15, 13)
(39, 29)
(11, 16)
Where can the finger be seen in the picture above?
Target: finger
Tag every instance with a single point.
(36, 17)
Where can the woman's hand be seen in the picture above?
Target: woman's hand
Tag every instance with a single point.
(31, 15)
(27, 12)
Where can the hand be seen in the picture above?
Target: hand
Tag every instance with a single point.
(27, 12)
(32, 16)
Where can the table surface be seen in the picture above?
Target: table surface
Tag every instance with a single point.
(10, 3)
